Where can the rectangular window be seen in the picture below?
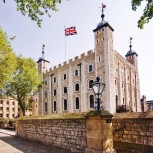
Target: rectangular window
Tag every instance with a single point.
(54, 79)
(54, 106)
(64, 76)
(45, 107)
(1, 108)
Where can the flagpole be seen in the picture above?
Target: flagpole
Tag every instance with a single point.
(65, 43)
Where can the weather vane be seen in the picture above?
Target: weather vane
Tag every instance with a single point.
(103, 7)
(130, 42)
(43, 47)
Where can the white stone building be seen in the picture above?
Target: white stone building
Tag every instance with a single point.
(67, 87)
(8, 107)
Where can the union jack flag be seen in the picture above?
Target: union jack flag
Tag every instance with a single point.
(70, 31)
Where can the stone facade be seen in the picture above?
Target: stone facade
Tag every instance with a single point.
(67, 86)
(8, 107)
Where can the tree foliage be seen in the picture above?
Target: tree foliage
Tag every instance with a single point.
(25, 80)
(7, 60)
(147, 12)
(36, 8)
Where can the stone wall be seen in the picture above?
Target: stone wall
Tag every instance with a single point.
(134, 128)
(66, 133)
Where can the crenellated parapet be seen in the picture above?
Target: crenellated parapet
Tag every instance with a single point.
(72, 61)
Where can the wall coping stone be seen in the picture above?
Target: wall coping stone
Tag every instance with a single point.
(136, 115)
(65, 116)
(100, 113)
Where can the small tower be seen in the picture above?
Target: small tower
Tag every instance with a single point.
(131, 56)
(42, 63)
(42, 67)
(104, 59)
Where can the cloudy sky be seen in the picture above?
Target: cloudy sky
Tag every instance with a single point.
(85, 15)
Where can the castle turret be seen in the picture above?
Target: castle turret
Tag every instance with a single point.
(104, 60)
(42, 67)
(131, 55)
(42, 63)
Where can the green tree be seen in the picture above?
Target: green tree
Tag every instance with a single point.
(36, 8)
(147, 12)
(7, 60)
(25, 80)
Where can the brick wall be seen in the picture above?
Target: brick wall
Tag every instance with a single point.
(135, 128)
(67, 133)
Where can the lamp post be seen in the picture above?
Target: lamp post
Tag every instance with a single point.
(98, 88)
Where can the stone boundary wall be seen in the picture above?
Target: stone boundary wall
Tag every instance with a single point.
(66, 133)
(134, 128)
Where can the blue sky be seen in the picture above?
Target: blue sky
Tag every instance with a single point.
(85, 15)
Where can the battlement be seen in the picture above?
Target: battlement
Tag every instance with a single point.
(77, 58)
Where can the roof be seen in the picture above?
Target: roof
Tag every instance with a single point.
(42, 59)
(102, 24)
(131, 52)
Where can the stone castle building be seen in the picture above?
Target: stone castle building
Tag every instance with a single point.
(67, 87)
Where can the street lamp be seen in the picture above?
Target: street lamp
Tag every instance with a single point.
(98, 88)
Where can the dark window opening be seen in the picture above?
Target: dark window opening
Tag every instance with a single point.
(91, 101)
(90, 83)
(65, 104)
(76, 72)
(77, 103)
(65, 90)
(90, 68)
(77, 87)
(54, 106)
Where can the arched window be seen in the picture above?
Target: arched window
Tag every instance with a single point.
(91, 101)
(77, 103)
(45, 107)
(90, 83)
(65, 90)
(65, 104)
(76, 87)
(55, 92)
(54, 106)
(90, 68)
(76, 72)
